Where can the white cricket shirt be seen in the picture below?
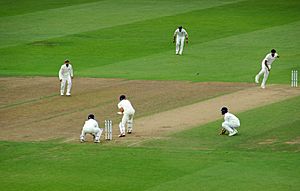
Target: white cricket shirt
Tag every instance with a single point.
(91, 126)
(269, 58)
(126, 105)
(179, 34)
(65, 71)
(230, 118)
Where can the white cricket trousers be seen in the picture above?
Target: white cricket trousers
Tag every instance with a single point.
(94, 131)
(264, 71)
(230, 126)
(126, 119)
(179, 45)
(63, 85)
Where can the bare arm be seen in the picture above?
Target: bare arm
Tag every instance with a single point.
(186, 38)
(60, 74)
(71, 72)
(267, 65)
(120, 112)
(174, 36)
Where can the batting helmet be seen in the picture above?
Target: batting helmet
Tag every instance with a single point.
(273, 51)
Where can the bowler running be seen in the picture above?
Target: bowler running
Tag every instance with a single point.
(266, 67)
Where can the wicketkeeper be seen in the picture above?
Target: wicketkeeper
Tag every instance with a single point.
(91, 127)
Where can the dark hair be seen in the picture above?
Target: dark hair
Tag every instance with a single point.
(122, 97)
(224, 110)
(66, 61)
(273, 51)
(91, 116)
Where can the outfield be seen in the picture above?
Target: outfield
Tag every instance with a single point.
(126, 47)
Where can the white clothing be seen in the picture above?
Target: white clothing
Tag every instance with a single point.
(231, 122)
(127, 116)
(180, 34)
(65, 71)
(126, 105)
(269, 58)
(180, 37)
(65, 75)
(91, 126)
(264, 70)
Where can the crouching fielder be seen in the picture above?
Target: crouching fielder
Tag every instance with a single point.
(91, 127)
(231, 122)
(125, 109)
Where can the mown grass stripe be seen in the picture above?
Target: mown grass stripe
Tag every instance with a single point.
(88, 17)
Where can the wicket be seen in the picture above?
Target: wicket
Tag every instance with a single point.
(294, 78)
(108, 129)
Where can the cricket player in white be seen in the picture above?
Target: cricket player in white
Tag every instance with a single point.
(179, 36)
(65, 75)
(231, 122)
(125, 109)
(266, 67)
(91, 127)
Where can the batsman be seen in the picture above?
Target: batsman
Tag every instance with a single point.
(125, 109)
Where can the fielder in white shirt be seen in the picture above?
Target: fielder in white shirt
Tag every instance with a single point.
(266, 67)
(65, 75)
(91, 127)
(231, 122)
(179, 36)
(125, 109)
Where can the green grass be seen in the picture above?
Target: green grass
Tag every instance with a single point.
(227, 41)
(19, 7)
(191, 160)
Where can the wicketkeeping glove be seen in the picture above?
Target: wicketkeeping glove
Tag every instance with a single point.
(222, 132)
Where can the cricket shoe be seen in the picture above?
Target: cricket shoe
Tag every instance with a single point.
(232, 134)
(68, 94)
(129, 132)
(256, 80)
(223, 131)
(236, 131)
(97, 141)
(122, 135)
(82, 140)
